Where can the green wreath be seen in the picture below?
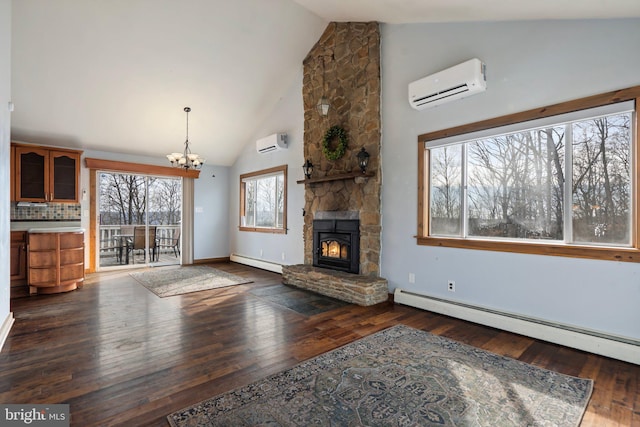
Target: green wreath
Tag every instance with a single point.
(334, 131)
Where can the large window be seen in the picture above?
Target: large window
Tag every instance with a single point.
(263, 200)
(139, 219)
(563, 184)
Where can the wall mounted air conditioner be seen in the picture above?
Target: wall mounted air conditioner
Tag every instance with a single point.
(277, 141)
(447, 85)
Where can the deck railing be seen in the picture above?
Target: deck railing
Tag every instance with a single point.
(108, 240)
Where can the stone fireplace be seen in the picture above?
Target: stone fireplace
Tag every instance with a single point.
(344, 67)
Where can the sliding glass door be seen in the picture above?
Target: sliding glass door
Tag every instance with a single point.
(139, 222)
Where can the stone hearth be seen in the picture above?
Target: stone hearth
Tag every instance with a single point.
(353, 288)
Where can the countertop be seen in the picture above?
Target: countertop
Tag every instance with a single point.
(56, 230)
(34, 226)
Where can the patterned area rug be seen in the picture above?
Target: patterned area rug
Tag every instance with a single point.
(400, 377)
(183, 280)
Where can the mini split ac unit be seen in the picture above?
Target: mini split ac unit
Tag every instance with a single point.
(277, 141)
(447, 85)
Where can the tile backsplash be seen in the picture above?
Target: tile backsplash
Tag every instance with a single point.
(46, 212)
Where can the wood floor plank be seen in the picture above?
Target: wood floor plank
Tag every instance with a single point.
(121, 356)
(508, 344)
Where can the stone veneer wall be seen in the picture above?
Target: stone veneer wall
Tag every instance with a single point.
(344, 66)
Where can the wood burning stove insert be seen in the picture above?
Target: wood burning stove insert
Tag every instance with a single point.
(336, 244)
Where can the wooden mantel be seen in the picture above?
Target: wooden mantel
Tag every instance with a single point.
(338, 177)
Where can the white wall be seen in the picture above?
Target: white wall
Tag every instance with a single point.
(288, 117)
(5, 127)
(211, 216)
(211, 194)
(529, 64)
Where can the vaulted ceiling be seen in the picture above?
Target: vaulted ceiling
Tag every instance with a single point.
(115, 75)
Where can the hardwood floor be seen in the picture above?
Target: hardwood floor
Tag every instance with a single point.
(119, 355)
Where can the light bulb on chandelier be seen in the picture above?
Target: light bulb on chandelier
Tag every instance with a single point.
(187, 159)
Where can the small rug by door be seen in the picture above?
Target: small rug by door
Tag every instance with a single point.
(183, 280)
(400, 377)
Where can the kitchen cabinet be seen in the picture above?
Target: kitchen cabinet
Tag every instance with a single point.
(18, 257)
(18, 264)
(55, 261)
(46, 174)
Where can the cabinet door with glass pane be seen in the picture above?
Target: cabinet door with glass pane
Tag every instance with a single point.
(44, 175)
(32, 174)
(64, 171)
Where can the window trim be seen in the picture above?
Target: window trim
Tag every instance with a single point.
(276, 170)
(630, 254)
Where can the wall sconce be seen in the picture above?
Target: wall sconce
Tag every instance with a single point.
(363, 160)
(323, 103)
(308, 169)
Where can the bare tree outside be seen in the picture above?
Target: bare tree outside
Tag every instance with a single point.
(515, 184)
(264, 201)
(249, 219)
(446, 190)
(514, 190)
(165, 201)
(280, 198)
(137, 201)
(123, 199)
(602, 180)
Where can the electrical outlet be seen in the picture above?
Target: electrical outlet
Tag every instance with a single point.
(283, 256)
(261, 253)
(451, 286)
(412, 278)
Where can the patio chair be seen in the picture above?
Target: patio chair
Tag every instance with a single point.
(138, 243)
(125, 237)
(172, 242)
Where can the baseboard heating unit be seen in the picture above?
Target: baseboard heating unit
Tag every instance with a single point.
(258, 263)
(617, 347)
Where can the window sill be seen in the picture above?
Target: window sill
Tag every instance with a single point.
(586, 252)
(264, 230)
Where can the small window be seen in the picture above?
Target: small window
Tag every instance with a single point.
(557, 185)
(263, 200)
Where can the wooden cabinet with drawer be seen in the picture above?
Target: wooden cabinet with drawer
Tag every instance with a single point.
(56, 262)
(18, 263)
(18, 256)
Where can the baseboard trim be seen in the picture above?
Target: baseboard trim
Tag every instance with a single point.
(258, 263)
(617, 347)
(211, 260)
(6, 328)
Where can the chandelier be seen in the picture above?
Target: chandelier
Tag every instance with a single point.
(186, 159)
